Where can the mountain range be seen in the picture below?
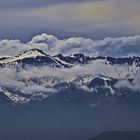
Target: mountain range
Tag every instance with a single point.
(52, 74)
(67, 97)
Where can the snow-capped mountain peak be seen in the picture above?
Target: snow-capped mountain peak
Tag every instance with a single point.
(34, 73)
(27, 54)
(32, 53)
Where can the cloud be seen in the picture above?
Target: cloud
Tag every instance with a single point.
(115, 47)
(99, 10)
(6, 4)
(123, 84)
(135, 85)
(11, 47)
(38, 80)
(92, 18)
(38, 89)
(8, 78)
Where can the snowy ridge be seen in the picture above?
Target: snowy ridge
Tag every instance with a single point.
(35, 73)
(27, 54)
(13, 97)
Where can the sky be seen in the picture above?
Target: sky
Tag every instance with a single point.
(95, 19)
(92, 27)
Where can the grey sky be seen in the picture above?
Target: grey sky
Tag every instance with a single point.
(35, 3)
(88, 18)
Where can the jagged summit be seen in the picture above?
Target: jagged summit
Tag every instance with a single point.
(70, 60)
(36, 73)
(35, 51)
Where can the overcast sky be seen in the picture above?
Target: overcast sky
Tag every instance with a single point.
(23, 19)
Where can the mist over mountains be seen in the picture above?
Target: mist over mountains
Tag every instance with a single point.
(68, 89)
(34, 73)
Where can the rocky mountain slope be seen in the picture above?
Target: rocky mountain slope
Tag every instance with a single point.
(35, 74)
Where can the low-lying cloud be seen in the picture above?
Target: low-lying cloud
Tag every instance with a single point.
(135, 85)
(44, 79)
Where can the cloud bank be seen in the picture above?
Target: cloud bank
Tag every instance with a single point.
(38, 80)
(115, 47)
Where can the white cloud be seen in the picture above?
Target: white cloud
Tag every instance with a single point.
(11, 47)
(135, 85)
(43, 79)
(38, 89)
(43, 38)
(116, 47)
(123, 84)
(9, 78)
(96, 19)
